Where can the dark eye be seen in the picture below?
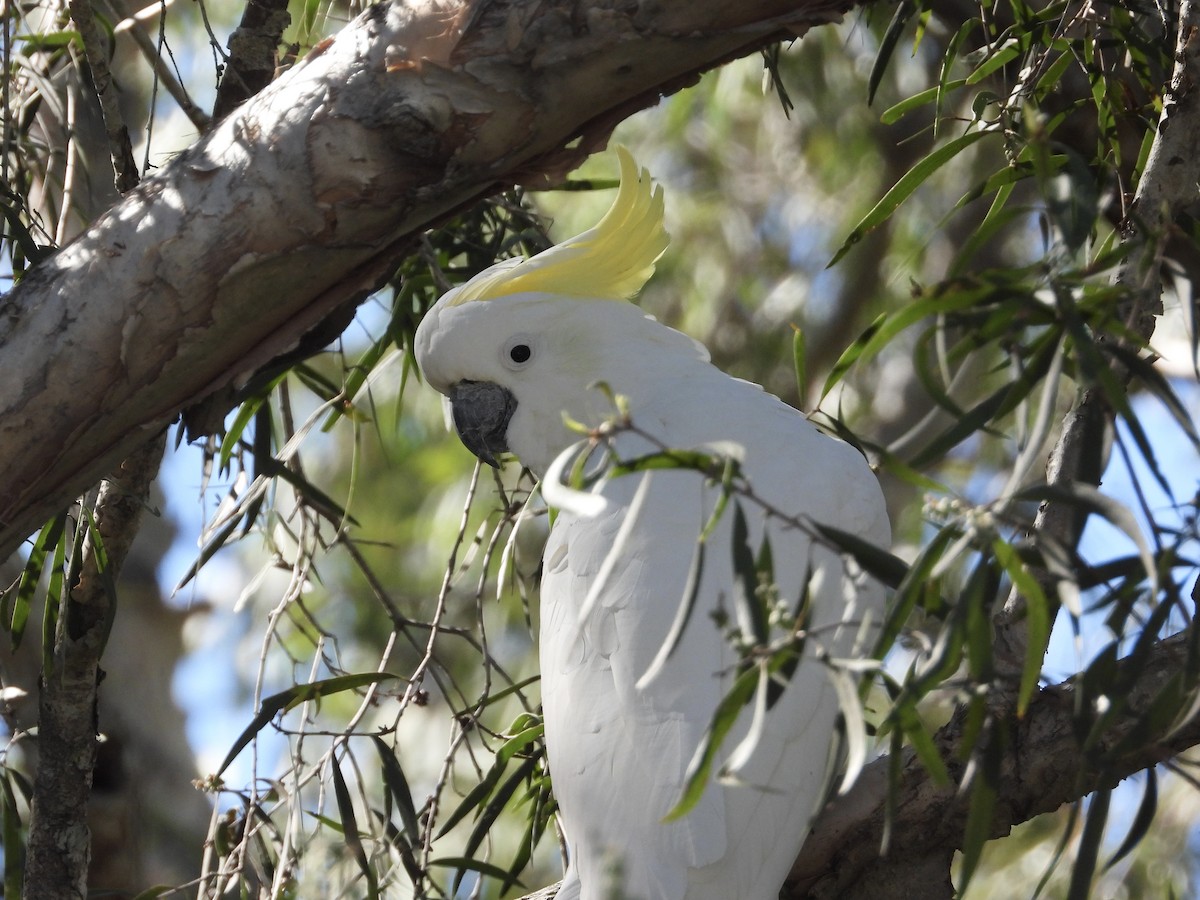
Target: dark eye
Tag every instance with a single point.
(517, 351)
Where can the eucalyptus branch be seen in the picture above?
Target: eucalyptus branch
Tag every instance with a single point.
(252, 54)
(1168, 188)
(1042, 767)
(120, 148)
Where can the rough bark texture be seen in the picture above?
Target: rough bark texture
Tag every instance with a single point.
(1043, 767)
(59, 837)
(251, 63)
(305, 197)
(300, 202)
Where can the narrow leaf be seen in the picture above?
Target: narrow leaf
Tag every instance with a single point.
(887, 46)
(45, 544)
(978, 829)
(293, 697)
(474, 865)
(909, 182)
(350, 826)
(683, 615)
(1089, 846)
(397, 785)
(854, 725)
(1142, 820)
(700, 770)
(800, 363)
(491, 812)
(14, 846)
(1038, 619)
(746, 599)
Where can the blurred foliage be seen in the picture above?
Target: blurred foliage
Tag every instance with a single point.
(934, 200)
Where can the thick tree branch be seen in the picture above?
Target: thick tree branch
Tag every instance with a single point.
(252, 50)
(307, 195)
(1042, 767)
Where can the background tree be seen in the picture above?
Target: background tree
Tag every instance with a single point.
(1007, 194)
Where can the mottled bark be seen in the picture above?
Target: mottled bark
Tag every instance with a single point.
(306, 196)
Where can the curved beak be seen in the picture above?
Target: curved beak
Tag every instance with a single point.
(481, 412)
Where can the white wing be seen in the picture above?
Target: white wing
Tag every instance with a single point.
(619, 754)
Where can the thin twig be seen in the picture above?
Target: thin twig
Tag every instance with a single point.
(1168, 186)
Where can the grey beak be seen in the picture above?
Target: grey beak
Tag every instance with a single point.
(482, 411)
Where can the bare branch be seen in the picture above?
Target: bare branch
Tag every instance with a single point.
(119, 146)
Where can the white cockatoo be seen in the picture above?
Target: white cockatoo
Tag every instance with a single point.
(635, 637)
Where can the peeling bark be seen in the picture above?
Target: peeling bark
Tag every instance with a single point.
(307, 195)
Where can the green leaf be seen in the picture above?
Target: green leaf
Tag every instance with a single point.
(208, 551)
(894, 114)
(903, 189)
(683, 615)
(949, 58)
(1091, 499)
(397, 785)
(520, 742)
(49, 41)
(53, 605)
(491, 812)
(700, 771)
(288, 700)
(475, 797)
(1039, 616)
(994, 61)
(948, 298)
(46, 544)
(978, 829)
(746, 595)
(104, 572)
(915, 583)
(854, 725)
(1089, 846)
(922, 742)
(474, 865)
(14, 845)
(976, 604)
(350, 826)
(800, 363)
(245, 415)
(999, 403)
(876, 561)
(887, 46)
(1142, 820)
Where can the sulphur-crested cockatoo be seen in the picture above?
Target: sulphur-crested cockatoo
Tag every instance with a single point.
(631, 673)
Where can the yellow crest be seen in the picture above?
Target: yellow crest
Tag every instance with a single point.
(610, 261)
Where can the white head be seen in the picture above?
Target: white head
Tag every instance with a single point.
(524, 342)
